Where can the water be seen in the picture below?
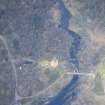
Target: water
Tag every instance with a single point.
(65, 15)
(74, 49)
(63, 95)
(69, 91)
(64, 23)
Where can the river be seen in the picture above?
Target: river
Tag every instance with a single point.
(68, 92)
